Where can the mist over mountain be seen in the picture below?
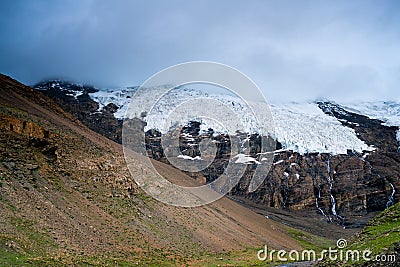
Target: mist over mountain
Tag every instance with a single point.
(293, 51)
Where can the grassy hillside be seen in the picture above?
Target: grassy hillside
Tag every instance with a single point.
(381, 236)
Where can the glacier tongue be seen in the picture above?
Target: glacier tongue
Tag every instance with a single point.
(301, 127)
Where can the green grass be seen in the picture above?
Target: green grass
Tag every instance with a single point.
(35, 242)
(8, 258)
(154, 258)
(27, 256)
(29, 244)
(242, 258)
(310, 241)
(381, 236)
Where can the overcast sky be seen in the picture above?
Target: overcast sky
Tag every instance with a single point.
(294, 50)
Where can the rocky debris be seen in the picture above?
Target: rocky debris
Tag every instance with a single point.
(31, 167)
(13, 246)
(350, 189)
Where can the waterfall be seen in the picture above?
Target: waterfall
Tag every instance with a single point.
(333, 201)
(391, 197)
(317, 205)
(333, 206)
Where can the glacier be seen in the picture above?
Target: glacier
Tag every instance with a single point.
(301, 127)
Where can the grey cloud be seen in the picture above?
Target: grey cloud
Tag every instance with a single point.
(294, 50)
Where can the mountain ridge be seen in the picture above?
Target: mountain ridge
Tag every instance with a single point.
(326, 134)
(312, 180)
(67, 198)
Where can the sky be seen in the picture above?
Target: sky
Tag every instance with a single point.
(293, 50)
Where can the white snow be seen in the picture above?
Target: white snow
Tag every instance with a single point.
(74, 94)
(245, 159)
(223, 113)
(120, 97)
(189, 157)
(301, 127)
(69, 92)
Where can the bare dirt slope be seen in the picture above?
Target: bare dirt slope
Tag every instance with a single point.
(66, 196)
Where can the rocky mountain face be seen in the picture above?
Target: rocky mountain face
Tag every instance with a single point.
(341, 188)
(67, 198)
(75, 99)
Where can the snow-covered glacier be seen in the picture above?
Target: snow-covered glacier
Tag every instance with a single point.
(301, 127)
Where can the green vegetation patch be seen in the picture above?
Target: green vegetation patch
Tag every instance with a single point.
(382, 233)
(310, 241)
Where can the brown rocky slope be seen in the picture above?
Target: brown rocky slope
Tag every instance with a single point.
(66, 197)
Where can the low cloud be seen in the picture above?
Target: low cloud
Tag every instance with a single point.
(295, 51)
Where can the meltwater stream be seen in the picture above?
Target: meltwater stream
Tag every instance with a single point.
(333, 201)
(391, 197)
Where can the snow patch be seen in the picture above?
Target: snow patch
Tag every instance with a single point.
(245, 159)
(189, 157)
(279, 162)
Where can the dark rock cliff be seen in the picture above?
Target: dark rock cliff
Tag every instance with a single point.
(75, 99)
